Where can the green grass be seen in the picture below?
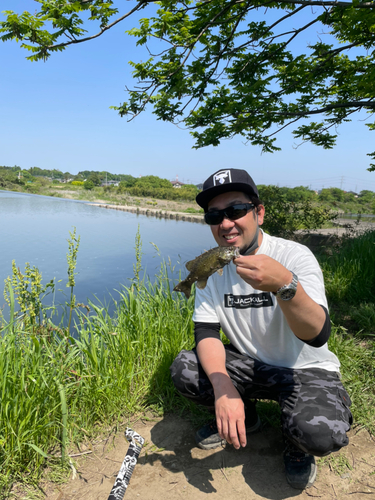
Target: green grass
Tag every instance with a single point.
(337, 462)
(349, 275)
(358, 374)
(194, 211)
(59, 390)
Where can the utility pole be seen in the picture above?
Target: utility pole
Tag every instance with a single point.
(342, 180)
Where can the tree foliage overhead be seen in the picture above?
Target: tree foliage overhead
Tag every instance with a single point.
(230, 67)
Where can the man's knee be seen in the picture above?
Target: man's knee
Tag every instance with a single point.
(319, 437)
(184, 371)
(190, 380)
(320, 417)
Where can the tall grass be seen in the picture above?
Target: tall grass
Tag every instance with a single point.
(358, 374)
(349, 273)
(349, 276)
(55, 389)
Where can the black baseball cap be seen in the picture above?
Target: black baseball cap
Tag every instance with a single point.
(222, 181)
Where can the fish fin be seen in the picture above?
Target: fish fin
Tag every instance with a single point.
(220, 271)
(184, 288)
(201, 283)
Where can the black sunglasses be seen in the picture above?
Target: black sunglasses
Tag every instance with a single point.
(233, 212)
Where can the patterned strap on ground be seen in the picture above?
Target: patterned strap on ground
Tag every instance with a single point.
(127, 467)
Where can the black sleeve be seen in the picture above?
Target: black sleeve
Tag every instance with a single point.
(324, 334)
(206, 330)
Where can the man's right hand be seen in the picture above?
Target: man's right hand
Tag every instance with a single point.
(230, 414)
(229, 407)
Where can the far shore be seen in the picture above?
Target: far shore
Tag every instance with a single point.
(338, 230)
(154, 212)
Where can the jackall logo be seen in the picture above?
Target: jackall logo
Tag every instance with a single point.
(262, 299)
(222, 177)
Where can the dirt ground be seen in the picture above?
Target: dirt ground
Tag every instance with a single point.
(171, 466)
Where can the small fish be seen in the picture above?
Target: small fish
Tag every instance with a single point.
(204, 265)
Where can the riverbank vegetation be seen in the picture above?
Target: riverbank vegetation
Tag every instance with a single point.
(61, 387)
(122, 189)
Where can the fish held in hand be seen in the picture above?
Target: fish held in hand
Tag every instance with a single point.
(203, 266)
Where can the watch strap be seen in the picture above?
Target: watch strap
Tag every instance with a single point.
(292, 284)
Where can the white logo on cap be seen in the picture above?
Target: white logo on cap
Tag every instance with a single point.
(222, 177)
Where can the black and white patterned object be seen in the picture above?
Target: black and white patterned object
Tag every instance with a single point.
(127, 467)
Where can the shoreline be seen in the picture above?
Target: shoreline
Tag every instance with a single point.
(161, 214)
(338, 230)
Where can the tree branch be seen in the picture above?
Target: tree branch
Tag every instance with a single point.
(333, 3)
(157, 85)
(103, 30)
(335, 123)
(283, 45)
(353, 104)
(302, 3)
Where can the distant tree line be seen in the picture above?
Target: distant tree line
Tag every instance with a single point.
(96, 177)
(331, 196)
(155, 187)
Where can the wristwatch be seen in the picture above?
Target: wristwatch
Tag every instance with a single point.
(287, 292)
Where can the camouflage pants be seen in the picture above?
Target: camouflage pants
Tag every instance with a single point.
(315, 413)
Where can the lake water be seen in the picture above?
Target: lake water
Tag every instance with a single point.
(35, 229)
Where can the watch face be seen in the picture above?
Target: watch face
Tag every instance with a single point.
(287, 294)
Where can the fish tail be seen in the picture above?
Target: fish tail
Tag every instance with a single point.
(183, 287)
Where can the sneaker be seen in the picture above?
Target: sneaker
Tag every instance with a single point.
(300, 468)
(208, 437)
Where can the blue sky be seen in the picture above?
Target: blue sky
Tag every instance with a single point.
(56, 115)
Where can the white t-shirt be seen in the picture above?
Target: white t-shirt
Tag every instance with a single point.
(254, 322)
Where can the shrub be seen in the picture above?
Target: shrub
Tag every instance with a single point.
(88, 185)
(283, 217)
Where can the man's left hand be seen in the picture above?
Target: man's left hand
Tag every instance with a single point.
(262, 272)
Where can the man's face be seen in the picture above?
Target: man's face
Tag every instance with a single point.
(240, 232)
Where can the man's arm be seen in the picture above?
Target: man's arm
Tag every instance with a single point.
(229, 407)
(304, 316)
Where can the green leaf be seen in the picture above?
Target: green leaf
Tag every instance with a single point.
(38, 450)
